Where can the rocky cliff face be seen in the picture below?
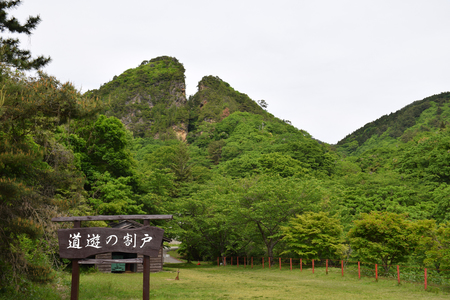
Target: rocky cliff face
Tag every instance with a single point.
(150, 99)
(216, 99)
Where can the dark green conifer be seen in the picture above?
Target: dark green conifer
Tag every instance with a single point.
(10, 53)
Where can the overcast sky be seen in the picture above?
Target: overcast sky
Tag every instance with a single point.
(328, 66)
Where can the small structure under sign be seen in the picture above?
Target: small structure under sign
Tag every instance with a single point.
(78, 243)
(129, 264)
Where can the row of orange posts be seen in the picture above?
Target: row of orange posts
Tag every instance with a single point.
(326, 267)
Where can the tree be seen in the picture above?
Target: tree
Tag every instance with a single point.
(180, 165)
(433, 244)
(102, 146)
(441, 194)
(267, 203)
(114, 196)
(263, 104)
(38, 177)
(428, 158)
(242, 216)
(10, 53)
(215, 150)
(205, 222)
(313, 236)
(382, 237)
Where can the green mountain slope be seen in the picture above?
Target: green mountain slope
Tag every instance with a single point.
(150, 99)
(402, 126)
(216, 100)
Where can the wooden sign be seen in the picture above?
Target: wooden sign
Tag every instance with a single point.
(83, 242)
(80, 243)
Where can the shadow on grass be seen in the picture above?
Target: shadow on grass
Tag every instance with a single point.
(190, 265)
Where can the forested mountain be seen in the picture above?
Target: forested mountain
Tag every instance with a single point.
(216, 99)
(237, 180)
(402, 126)
(150, 99)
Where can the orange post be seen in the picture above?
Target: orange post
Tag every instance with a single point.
(252, 262)
(270, 262)
(326, 268)
(426, 279)
(376, 272)
(279, 262)
(359, 270)
(290, 262)
(342, 267)
(313, 266)
(237, 258)
(263, 262)
(301, 266)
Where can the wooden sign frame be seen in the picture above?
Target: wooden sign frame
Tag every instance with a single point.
(130, 245)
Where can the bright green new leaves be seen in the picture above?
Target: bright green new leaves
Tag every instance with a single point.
(385, 191)
(283, 165)
(433, 244)
(428, 158)
(267, 203)
(205, 221)
(113, 196)
(107, 148)
(313, 236)
(243, 216)
(439, 250)
(382, 238)
(441, 197)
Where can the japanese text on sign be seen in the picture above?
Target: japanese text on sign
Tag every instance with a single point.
(83, 242)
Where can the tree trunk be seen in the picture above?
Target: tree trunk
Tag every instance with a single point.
(270, 247)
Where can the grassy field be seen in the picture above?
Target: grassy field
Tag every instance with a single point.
(212, 282)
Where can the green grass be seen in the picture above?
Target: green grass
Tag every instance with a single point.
(231, 282)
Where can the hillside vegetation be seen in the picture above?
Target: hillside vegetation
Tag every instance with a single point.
(150, 99)
(431, 113)
(239, 181)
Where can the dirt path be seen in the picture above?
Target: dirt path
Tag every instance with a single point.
(169, 259)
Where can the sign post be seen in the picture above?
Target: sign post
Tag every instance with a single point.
(78, 243)
(75, 288)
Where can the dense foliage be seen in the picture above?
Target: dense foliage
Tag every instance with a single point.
(38, 176)
(403, 125)
(237, 180)
(216, 100)
(314, 236)
(150, 99)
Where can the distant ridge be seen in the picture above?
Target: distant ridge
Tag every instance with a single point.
(401, 126)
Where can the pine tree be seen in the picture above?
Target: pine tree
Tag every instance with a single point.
(38, 176)
(10, 53)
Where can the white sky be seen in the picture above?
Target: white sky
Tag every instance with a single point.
(328, 66)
